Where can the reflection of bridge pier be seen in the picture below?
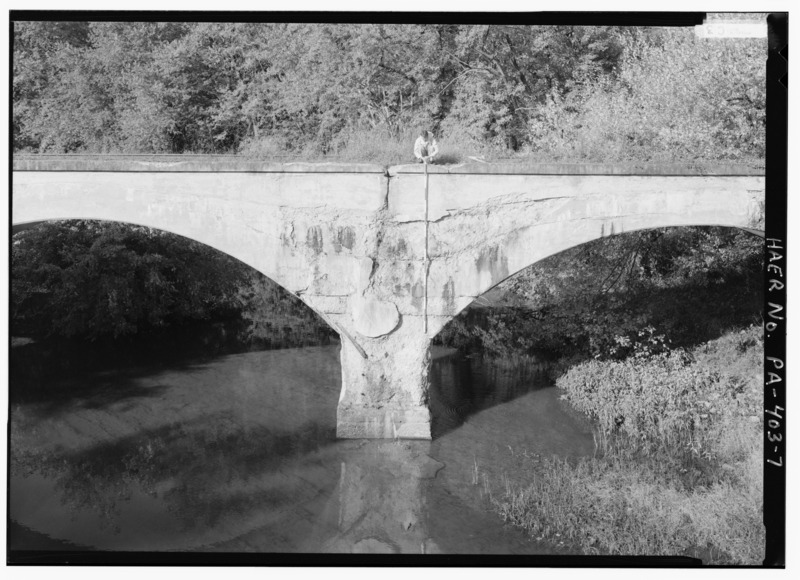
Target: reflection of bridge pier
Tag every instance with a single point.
(380, 504)
(352, 240)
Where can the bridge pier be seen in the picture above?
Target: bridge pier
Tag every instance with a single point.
(385, 387)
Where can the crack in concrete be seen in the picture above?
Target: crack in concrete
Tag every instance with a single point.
(385, 206)
(371, 278)
(493, 204)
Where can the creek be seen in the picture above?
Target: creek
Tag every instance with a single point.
(238, 453)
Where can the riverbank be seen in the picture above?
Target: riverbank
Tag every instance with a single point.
(677, 468)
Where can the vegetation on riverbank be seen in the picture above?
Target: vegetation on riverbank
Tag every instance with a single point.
(655, 337)
(89, 295)
(689, 284)
(678, 469)
(95, 281)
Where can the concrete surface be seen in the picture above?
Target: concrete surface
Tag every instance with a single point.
(350, 239)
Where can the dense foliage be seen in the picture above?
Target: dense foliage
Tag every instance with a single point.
(679, 462)
(274, 318)
(553, 92)
(90, 280)
(661, 398)
(689, 284)
(674, 97)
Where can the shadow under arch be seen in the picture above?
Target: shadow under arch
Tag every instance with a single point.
(473, 322)
(184, 346)
(18, 227)
(562, 245)
(186, 438)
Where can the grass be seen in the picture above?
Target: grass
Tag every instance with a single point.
(669, 500)
(380, 146)
(618, 504)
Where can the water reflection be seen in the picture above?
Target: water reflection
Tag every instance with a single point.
(464, 385)
(239, 454)
(380, 502)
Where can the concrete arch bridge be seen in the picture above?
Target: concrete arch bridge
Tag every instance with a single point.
(386, 256)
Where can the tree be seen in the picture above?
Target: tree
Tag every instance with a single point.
(560, 92)
(336, 77)
(92, 279)
(675, 98)
(57, 99)
(505, 73)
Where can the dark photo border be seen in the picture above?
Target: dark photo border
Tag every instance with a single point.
(775, 308)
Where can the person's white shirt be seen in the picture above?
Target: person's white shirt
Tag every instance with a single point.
(425, 149)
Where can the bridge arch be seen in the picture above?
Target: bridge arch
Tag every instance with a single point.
(482, 233)
(557, 245)
(278, 219)
(16, 227)
(209, 241)
(526, 344)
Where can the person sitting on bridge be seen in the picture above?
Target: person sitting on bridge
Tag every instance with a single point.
(425, 148)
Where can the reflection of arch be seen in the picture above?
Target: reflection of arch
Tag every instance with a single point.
(211, 242)
(512, 261)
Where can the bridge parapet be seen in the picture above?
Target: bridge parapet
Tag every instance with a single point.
(247, 164)
(183, 164)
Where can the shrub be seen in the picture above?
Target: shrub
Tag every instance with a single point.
(681, 466)
(274, 317)
(92, 279)
(680, 99)
(263, 148)
(374, 145)
(659, 397)
(615, 506)
(655, 400)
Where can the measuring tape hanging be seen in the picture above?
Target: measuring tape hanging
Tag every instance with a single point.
(427, 262)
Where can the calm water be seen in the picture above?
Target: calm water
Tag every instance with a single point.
(238, 453)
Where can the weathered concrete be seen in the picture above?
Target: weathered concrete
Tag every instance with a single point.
(350, 240)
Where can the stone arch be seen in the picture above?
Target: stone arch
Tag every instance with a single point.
(209, 241)
(510, 232)
(501, 269)
(277, 220)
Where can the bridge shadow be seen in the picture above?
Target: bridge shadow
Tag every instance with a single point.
(463, 385)
(55, 373)
(52, 376)
(205, 471)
